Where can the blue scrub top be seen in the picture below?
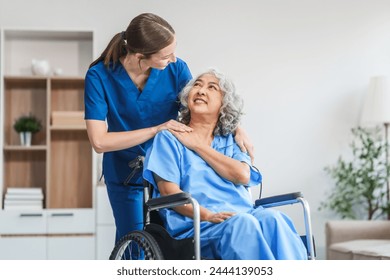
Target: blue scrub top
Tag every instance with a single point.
(173, 162)
(111, 95)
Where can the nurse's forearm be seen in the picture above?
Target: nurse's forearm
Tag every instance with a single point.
(103, 141)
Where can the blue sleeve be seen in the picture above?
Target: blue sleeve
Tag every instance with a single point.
(163, 159)
(255, 176)
(184, 73)
(94, 99)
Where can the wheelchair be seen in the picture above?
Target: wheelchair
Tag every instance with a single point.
(155, 243)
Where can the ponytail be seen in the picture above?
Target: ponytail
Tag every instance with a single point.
(115, 49)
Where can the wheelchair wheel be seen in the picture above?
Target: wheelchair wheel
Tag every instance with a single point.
(137, 245)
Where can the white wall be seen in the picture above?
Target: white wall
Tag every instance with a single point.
(302, 66)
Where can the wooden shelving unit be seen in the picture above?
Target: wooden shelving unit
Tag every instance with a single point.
(60, 158)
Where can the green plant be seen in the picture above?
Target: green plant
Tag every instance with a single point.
(360, 184)
(27, 124)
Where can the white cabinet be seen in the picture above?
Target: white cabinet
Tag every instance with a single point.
(68, 221)
(71, 247)
(47, 234)
(105, 228)
(58, 221)
(47, 247)
(22, 222)
(23, 248)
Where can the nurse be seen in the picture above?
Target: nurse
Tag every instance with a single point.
(131, 93)
(207, 162)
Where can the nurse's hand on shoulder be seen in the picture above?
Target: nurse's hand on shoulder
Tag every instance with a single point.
(244, 143)
(174, 125)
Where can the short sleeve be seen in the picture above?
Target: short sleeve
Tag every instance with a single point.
(163, 159)
(94, 99)
(184, 74)
(255, 176)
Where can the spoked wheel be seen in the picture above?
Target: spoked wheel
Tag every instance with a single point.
(137, 245)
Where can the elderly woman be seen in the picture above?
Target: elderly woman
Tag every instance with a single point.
(207, 163)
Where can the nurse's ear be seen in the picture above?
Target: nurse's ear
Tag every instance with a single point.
(139, 56)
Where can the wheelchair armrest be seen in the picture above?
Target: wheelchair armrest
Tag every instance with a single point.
(293, 198)
(282, 199)
(178, 199)
(173, 199)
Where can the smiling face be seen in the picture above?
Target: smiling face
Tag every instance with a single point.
(162, 58)
(205, 96)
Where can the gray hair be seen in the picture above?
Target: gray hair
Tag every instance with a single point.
(231, 109)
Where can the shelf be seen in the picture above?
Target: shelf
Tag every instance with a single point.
(21, 46)
(60, 160)
(68, 127)
(53, 35)
(23, 79)
(25, 148)
(66, 79)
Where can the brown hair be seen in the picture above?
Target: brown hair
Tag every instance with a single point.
(146, 34)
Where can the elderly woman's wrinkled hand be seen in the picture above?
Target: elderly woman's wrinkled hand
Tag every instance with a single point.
(219, 217)
(188, 139)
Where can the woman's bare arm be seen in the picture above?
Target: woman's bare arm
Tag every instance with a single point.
(231, 169)
(168, 188)
(104, 141)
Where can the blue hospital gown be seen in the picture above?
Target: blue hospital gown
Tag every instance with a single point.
(253, 233)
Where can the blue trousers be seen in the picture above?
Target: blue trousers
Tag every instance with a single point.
(127, 207)
(261, 234)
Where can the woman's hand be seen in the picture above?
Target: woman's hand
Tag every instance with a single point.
(190, 140)
(175, 126)
(219, 217)
(244, 143)
(229, 168)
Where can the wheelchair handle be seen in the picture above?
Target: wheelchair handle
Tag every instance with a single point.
(135, 164)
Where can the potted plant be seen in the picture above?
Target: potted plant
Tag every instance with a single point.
(26, 126)
(360, 184)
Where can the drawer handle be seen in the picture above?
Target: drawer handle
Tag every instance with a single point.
(31, 215)
(62, 214)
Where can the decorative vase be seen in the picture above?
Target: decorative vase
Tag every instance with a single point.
(40, 67)
(25, 138)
